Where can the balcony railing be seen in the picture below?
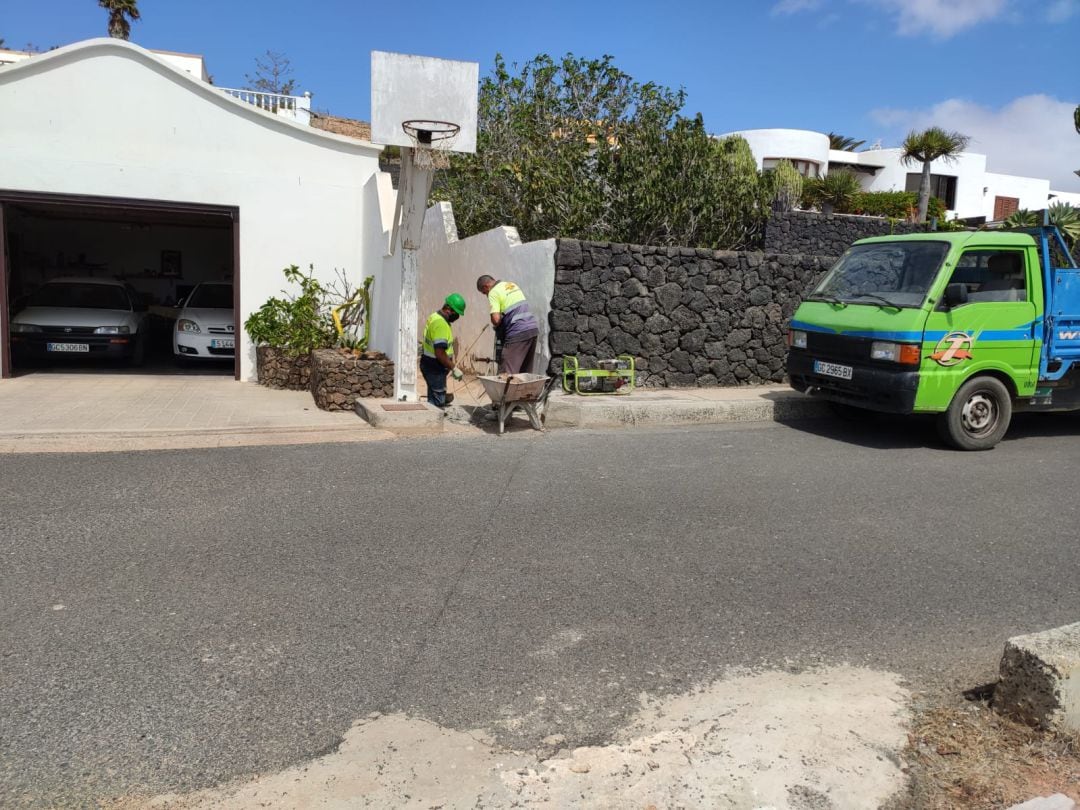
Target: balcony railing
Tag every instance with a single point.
(297, 108)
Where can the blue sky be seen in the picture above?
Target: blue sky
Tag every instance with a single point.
(1003, 71)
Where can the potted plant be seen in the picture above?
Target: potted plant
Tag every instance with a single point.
(288, 329)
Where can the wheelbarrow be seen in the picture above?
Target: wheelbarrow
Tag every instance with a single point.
(510, 391)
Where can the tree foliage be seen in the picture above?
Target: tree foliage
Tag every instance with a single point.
(927, 146)
(122, 13)
(577, 148)
(273, 74)
(843, 143)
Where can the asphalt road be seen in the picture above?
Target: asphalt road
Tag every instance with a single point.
(170, 620)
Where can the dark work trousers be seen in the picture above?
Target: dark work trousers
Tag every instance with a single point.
(435, 376)
(518, 357)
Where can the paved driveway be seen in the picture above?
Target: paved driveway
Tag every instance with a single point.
(57, 411)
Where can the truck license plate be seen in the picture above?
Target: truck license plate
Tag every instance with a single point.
(67, 347)
(832, 370)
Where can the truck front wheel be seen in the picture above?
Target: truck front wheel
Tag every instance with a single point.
(978, 415)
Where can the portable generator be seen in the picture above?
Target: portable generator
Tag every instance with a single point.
(615, 376)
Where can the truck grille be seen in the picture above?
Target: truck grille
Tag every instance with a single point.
(838, 347)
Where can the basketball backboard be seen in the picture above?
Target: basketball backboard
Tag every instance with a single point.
(405, 87)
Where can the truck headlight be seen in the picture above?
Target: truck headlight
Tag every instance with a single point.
(184, 325)
(112, 330)
(907, 354)
(796, 339)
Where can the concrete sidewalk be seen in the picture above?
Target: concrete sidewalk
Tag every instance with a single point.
(42, 413)
(695, 406)
(654, 406)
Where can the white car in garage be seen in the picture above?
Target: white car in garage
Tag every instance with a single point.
(205, 328)
(94, 318)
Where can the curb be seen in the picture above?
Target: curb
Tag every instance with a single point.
(584, 412)
(113, 441)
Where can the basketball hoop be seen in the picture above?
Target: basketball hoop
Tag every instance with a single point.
(431, 142)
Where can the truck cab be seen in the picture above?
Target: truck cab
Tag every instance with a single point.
(967, 325)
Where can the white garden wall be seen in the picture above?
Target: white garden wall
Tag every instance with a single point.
(448, 265)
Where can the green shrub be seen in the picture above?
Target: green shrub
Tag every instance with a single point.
(784, 185)
(836, 191)
(297, 323)
(894, 205)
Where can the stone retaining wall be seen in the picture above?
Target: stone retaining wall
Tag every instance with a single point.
(688, 316)
(826, 234)
(278, 369)
(338, 377)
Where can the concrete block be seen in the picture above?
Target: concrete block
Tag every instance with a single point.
(1059, 801)
(389, 415)
(1040, 679)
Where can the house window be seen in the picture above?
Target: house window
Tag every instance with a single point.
(807, 168)
(942, 186)
(1004, 207)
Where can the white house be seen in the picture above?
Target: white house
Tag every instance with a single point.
(966, 185)
(121, 162)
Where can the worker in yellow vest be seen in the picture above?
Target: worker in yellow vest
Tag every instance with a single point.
(438, 353)
(515, 326)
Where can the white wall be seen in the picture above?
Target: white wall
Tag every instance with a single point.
(107, 118)
(797, 144)
(1034, 194)
(448, 265)
(187, 62)
(1070, 197)
(969, 170)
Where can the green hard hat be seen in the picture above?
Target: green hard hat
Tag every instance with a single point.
(456, 303)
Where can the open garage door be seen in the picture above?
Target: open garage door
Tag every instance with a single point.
(104, 284)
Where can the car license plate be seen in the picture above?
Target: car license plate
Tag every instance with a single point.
(222, 344)
(67, 347)
(832, 370)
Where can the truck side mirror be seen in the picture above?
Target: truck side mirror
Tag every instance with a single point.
(955, 295)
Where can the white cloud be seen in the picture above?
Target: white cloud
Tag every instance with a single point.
(1031, 136)
(940, 18)
(785, 7)
(1059, 11)
(945, 18)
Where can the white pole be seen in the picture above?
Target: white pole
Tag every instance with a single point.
(414, 186)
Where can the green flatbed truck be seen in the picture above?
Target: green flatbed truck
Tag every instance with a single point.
(972, 326)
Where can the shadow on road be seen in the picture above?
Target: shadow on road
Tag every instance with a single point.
(890, 432)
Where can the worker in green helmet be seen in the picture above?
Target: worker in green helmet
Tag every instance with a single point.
(438, 357)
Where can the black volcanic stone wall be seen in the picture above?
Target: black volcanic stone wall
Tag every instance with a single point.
(689, 317)
(826, 234)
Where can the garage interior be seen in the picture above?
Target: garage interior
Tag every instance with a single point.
(161, 250)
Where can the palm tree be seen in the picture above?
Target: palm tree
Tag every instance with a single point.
(843, 143)
(927, 146)
(835, 192)
(121, 14)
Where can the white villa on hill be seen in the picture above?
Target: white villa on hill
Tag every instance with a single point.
(966, 185)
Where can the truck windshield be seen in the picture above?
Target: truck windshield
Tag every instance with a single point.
(895, 274)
